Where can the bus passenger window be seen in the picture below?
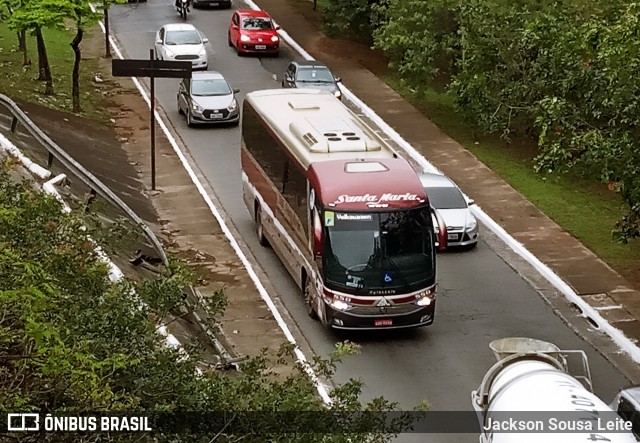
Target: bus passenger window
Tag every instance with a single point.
(263, 147)
(294, 190)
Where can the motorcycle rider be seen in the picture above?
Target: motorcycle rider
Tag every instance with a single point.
(179, 5)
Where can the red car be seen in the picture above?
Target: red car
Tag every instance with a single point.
(253, 32)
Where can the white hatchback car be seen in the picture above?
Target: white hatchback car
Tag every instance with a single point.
(182, 41)
(445, 196)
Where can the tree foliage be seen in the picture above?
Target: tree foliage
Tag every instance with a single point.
(417, 36)
(348, 18)
(71, 340)
(563, 72)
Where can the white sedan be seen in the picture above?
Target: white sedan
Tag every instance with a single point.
(445, 196)
(182, 41)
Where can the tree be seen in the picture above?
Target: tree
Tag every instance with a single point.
(71, 341)
(106, 5)
(83, 16)
(595, 133)
(420, 38)
(348, 18)
(33, 16)
(22, 34)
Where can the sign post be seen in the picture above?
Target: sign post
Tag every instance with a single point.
(153, 69)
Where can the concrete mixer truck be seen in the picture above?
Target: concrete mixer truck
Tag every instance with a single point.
(529, 395)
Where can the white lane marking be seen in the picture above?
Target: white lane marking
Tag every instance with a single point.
(616, 335)
(302, 359)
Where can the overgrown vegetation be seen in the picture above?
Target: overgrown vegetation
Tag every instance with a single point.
(71, 340)
(561, 73)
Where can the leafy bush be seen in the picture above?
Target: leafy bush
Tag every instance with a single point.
(71, 340)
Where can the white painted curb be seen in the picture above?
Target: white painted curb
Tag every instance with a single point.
(626, 344)
(301, 358)
(34, 168)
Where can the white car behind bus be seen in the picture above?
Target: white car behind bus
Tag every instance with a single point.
(445, 196)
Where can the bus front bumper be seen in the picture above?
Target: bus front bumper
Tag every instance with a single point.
(421, 316)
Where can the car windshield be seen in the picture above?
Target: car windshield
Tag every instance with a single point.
(372, 251)
(315, 75)
(210, 86)
(256, 23)
(446, 198)
(186, 37)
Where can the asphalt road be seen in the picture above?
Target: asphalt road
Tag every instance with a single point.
(481, 297)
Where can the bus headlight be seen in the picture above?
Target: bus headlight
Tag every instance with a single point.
(339, 305)
(425, 298)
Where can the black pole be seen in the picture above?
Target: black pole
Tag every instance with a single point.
(153, 122)
(107, 47)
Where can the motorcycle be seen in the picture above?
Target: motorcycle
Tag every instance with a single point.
(182, 6)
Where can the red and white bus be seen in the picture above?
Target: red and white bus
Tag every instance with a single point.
(347, 216)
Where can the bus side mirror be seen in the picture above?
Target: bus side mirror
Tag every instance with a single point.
(442, 230)
(317, 235)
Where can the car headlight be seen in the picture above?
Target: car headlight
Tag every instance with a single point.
(168, 53)
(244, 38)
(472, 224)
(196, 107)
(275, 38)
(337, 93)
(202, 52)
(233, 106)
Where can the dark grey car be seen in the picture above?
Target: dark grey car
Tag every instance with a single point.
(206, 97)
(311, 74)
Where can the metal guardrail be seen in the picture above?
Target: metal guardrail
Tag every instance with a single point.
(91, 181)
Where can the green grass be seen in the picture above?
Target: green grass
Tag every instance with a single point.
(586, 209)
(20, 83)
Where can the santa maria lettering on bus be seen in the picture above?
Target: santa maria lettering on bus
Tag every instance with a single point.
(373, 198)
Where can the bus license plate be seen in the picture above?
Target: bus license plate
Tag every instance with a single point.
(261, 46)
(383, 322)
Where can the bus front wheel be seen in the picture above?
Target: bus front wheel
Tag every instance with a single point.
(260, 229)
(308, 300)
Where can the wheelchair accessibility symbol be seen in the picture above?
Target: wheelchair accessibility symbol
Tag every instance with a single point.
(388, 278)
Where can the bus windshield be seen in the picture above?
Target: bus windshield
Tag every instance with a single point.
(379, 250)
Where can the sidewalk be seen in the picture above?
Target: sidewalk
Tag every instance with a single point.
(589, 276)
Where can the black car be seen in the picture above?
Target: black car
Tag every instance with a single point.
(311, 74)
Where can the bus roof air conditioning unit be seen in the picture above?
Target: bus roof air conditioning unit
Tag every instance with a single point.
(305, 133)
(343, 137)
